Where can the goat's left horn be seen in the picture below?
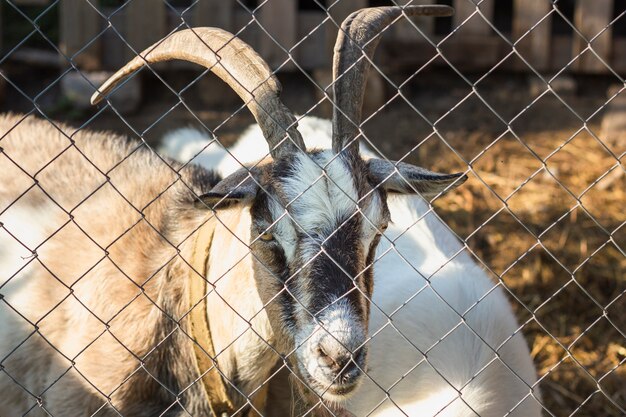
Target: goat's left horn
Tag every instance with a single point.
(356, 43)
(238, 65)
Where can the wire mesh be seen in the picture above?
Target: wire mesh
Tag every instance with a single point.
(503, 297)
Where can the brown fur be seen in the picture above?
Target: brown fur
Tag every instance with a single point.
(108, 294)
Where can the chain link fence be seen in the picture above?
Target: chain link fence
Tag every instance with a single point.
(525, 98)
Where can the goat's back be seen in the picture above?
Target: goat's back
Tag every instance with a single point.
(85, 221)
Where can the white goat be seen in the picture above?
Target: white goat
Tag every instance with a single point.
(144, 279)
(444, 339)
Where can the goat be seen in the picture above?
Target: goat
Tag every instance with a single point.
(132, 259)
(439, 326)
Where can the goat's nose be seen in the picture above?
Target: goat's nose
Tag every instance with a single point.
(340, 361)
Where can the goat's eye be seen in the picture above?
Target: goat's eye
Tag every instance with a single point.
(381, 229)
(266, 237)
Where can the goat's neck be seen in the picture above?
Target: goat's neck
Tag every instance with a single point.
(240, 325)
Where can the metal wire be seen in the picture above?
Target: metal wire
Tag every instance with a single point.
(38, 395)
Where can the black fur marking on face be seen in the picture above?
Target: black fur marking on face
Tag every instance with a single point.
(272, 258)
(367, 277)
(342, 270)
(283, 168)
(332, 272)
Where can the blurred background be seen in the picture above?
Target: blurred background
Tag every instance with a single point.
(526, 94)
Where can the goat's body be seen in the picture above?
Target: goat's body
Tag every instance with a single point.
(425, 354)
(417, 329)
(80, 317)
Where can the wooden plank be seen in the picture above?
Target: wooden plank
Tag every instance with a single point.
(613, 127)
(619, 55)
(252, 32)
(476, 25)
(36, 57)
(113, 47)
(79, 25)
(145, 23)
(279, 19)
(31, 2)
(561, 55)
(311, 53)
(474, 53)
(591, 18)
(534, 45)
(216, 13)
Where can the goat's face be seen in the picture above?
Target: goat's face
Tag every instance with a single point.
(316, 219)
(316, 222)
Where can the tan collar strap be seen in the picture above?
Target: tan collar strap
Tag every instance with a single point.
(214, 385)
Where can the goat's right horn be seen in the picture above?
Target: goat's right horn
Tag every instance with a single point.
(238, 65)
(356, 43)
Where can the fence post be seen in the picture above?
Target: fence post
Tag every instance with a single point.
(375, 95)
(279, 19)
(311, 52)
(145, 23)
(214, 92)
(535, 46)
(476, 25)
(590, 19)
(79, 24)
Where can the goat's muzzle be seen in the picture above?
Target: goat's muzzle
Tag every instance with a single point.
(331, 353)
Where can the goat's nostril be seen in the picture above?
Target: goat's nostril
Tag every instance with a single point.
(350, 372)
(341, 366)
(340, 363)
(326, 359)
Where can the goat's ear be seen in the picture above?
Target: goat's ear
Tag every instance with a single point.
(239, 186)
(404, 178)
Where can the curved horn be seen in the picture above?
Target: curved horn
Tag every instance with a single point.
(356, 43)
(238, 65)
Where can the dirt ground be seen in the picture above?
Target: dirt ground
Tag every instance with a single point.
(544, 209)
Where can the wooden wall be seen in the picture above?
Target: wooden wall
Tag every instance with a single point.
(290, 37)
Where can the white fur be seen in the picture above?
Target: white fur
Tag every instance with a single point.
(189, 144)
(284, 229)
(337, 326)
(321, 198)
(444, 341)
(248, 148)
(23, 230)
